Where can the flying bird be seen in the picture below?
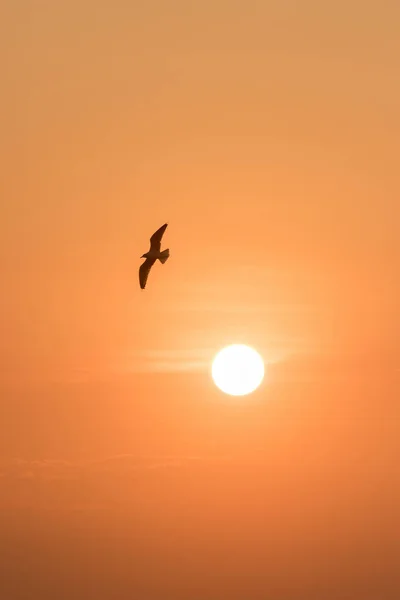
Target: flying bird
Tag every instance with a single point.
(152, 255)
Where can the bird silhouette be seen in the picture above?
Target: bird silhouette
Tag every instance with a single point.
(152, 255)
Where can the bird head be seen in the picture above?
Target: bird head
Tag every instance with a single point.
(144, 255)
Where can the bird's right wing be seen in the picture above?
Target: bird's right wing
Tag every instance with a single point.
(144, 271)
(155, 240)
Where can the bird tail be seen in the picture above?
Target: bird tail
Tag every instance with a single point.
(164, 255)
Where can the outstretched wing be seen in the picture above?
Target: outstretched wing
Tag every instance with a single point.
(144, 271)
(155, 240)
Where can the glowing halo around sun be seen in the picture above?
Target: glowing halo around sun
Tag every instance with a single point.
(237, 370)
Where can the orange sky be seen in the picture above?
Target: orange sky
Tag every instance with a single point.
(267, 135)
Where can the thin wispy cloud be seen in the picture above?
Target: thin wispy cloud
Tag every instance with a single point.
(118, 465)
(168, 361)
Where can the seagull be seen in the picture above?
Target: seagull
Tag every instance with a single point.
(152, 255)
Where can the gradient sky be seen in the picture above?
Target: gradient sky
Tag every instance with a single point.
(267, 135)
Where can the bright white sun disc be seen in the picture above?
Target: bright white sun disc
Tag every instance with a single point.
(237, 370)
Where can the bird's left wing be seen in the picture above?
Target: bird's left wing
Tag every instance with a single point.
(144, 271)
(155, 240)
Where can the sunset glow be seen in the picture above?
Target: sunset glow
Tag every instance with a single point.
(213, 415)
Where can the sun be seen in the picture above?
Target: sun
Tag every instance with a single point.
(237, 370)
